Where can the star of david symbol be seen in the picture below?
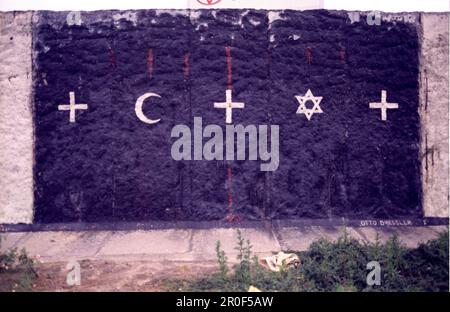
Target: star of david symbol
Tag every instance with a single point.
(302, 109)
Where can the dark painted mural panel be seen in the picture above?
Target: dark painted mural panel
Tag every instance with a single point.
(108, 165)
(229, 51)
(149, 58)
(345, 161)
(74, 161)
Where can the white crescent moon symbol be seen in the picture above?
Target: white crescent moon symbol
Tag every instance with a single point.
(138, 108)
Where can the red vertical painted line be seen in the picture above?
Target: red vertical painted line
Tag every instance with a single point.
(309, 55)
(230, 77)
(186, 65)
(343, 55)
(150, 63)
(231, 217)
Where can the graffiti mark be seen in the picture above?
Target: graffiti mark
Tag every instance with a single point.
(12, 77)
(385, 222)
(429, 152)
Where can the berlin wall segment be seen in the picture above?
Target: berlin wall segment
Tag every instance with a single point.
(344, 95)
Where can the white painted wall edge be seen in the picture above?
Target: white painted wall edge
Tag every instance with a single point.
(89, 5)
(351, 5)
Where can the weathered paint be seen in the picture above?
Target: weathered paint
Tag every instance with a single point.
(346, 162)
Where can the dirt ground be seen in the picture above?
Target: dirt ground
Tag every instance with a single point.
(101, 275)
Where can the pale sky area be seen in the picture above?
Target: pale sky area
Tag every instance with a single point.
(364, 5)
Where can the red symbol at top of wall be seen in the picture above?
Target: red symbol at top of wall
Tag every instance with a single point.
(208, 2)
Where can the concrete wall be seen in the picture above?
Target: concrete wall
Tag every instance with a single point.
(434, 100)
(16, 118)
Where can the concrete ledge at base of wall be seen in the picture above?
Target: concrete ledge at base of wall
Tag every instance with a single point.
(192, 244)
(255, 224)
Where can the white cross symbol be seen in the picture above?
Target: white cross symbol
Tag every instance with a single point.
(383, 105)
(229, 105)
(72, 107)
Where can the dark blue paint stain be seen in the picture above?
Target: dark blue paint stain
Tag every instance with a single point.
(109, 166)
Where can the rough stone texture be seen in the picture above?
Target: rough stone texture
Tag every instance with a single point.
(148, 183)
(345, 162)
(193, 245)
(434, 80)
(80, 177)
(110, 166)
(216, 184)
(16, 120)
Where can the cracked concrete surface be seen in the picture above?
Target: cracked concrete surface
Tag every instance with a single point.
(191, 245)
